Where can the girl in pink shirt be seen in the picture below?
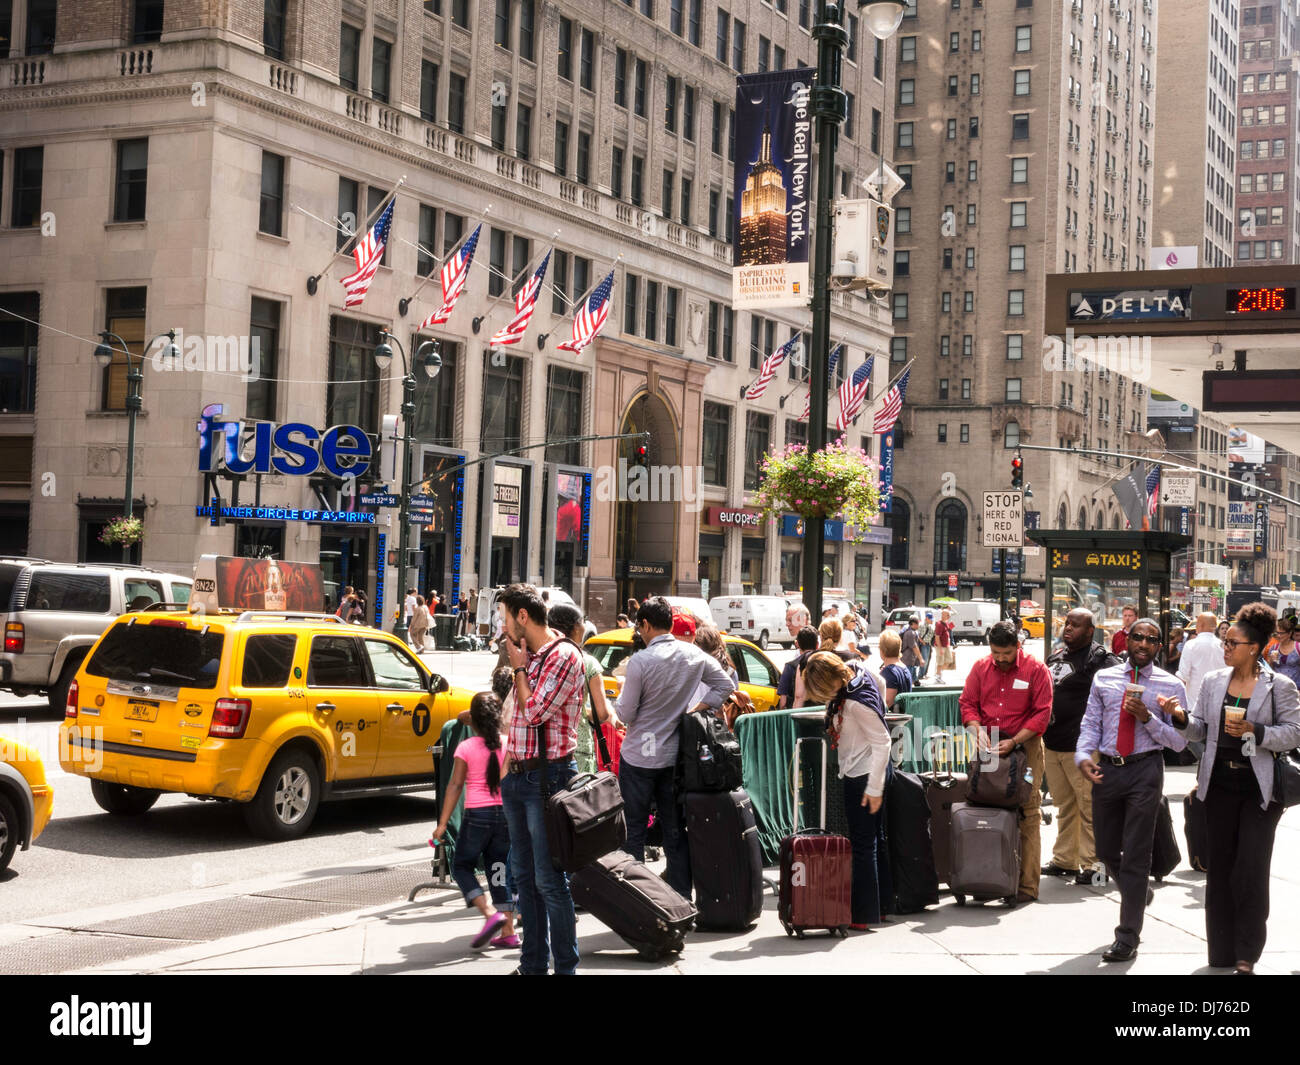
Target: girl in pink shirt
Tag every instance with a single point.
(483, 832)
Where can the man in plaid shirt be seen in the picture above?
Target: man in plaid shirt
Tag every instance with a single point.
(548, 680)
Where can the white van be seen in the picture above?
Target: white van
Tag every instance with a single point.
(757, 618)
(696, 606)
(972, 619)
(1287, 601)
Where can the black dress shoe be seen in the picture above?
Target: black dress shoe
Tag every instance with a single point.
(1085, 878)
(1120, 952)
(1055, 870)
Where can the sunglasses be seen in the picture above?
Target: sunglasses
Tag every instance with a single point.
(1143, 639)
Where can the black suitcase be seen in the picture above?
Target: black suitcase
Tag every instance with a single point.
(911, 852)
(585, 820)
(1165, 854)
(1198, 844)
(622, 893)
(726, 860)
(985, 853)
(942, 791)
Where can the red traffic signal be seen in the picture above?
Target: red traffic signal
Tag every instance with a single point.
(1017, 472)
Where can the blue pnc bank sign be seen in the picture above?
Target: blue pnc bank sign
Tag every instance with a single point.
(292, 448)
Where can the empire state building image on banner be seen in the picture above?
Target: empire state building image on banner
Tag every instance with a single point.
(763, 211)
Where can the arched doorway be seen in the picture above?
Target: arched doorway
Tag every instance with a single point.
(950, 537)
(648, 492)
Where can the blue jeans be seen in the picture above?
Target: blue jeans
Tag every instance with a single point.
(873, 886)
(483, 834)
(639, 786)
(545, 905)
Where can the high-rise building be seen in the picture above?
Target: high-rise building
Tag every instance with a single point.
(191, 165)
(1195, 147)
(1268, 105)
(1024, 134)
(763, 211)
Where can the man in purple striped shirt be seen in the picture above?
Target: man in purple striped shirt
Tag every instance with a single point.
(1125, 730)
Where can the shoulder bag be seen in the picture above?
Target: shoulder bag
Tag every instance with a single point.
(1286, 774)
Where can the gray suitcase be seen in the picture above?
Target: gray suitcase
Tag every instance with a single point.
(985, 853)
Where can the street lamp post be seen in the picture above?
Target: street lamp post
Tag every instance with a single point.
(829, 106)
(429, 358)
(134, 380)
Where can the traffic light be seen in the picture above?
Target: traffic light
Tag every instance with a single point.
(640, 454)
(1017, 472)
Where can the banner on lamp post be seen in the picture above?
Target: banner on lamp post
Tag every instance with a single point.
(887, 472)
(772, 191)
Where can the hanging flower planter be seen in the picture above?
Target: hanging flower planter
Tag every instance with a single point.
(124, 531)
(837, 481)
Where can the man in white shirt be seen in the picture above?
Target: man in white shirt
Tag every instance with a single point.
(1200, 655)
(408, 607)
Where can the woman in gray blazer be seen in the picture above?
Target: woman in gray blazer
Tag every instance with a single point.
(1244, 713)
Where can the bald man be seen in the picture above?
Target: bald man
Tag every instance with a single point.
(1072, 665)
(1201, 654)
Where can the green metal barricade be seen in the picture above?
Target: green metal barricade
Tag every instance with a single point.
(932, 710)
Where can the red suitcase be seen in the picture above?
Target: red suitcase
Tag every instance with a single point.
(614, 744)
(816, 873)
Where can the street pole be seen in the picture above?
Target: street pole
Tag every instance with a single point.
(1002, 581)
(829, 108)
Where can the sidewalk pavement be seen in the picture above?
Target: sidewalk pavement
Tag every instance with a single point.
(1065, 932)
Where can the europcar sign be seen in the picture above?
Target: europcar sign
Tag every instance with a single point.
(293, 448)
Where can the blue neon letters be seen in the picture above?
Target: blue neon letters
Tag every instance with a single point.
(292, 448)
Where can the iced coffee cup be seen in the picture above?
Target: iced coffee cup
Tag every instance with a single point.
(1234, 714)
(1133, 691)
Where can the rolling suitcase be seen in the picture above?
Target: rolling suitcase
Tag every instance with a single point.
(911, 853)
(635, 903)
(985, 853)
(816, 872)
(1165, 854)
(1198, 846)
(943, 789)
(726, 860)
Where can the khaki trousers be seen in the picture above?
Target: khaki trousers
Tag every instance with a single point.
(1075, 847)
(1031, 817)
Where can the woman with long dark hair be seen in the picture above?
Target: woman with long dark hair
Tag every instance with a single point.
(483, 831)
(1245, 713)
(855, 716)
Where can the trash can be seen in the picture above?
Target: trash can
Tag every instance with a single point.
(443, 626)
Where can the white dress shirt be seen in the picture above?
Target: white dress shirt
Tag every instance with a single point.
(1202, 655)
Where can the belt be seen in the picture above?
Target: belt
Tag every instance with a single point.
(1126, 759)
(1233, 765)
(527, 765)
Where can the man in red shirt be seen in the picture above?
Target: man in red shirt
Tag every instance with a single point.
(943, 629)
(1007, 703)
(1119, 642)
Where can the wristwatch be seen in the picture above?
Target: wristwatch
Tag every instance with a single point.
(521, 669)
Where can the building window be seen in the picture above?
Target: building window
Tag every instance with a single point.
(907, 91)
(501, 34)
(943, 388)
(29, 165)
(270, 213)
(264, 352)
(651, 311)
(1016, 302)
(18, 341)
(964, 434)
(561, 148)
(523, 131)
(715, 443)
(583, 168)
(1013, 390)
(1021, 83)
(639, 83)
(1020, 171)
(630, 289)
(1019, 217)
(381, 63)
(497, 262)
(564, 53)
(349, 56)
(950, 536)
(352, 396)
(898, 349)
(456, 103)
(1011, 437)
(147, 26)
(724, 36)
(1017, 261)
(564, 414)
(943, 433)
(1020, 127)
(672, 298)
(526, 15)
(428, 91)
(132, 180)
(758, 437)
(503, 390)
(638, 181)
(348, 205)
(272, 28)
(965, 389)
(900, 306)
(672, 85)
(905, 134)
(738, 46)
(1015, 346)
(1024, 38)
(587, 61)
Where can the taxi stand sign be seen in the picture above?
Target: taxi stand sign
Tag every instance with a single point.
(1004, 519)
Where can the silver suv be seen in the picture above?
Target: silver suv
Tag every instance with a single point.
(55, 611)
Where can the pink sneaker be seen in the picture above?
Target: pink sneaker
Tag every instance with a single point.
(509, 942)
(489, 929)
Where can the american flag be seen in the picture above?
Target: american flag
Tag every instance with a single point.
(1153, 494)
(830, 372)
(590, 317)
(853, 395)
(768, 370)
(525, 303)
(367, 253)
(454, 277)
(888, 414)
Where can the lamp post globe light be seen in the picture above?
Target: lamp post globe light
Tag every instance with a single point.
(134, 379)
(829, 106)
(431, 362)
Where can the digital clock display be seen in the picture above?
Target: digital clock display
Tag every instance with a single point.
(1260, 300)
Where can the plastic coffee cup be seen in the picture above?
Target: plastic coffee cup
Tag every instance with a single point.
(1235, 715)
(1133, 689)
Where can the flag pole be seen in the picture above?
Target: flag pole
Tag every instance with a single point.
(346, 250)
(531, 267)
(543, 337)
(403, 305)
(893, 381)
(799, 384)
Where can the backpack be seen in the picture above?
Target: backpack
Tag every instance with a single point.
(708, 756)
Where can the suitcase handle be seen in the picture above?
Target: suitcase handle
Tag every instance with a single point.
(794, 778)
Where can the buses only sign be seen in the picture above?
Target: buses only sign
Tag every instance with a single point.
(1004, 519)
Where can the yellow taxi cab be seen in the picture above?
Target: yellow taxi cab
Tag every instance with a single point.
(26, 799)
(1032, 624)
(758, 675)
(275, 710)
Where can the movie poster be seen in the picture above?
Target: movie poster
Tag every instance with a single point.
(269, 584)
(568, 508)
(773, 193)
